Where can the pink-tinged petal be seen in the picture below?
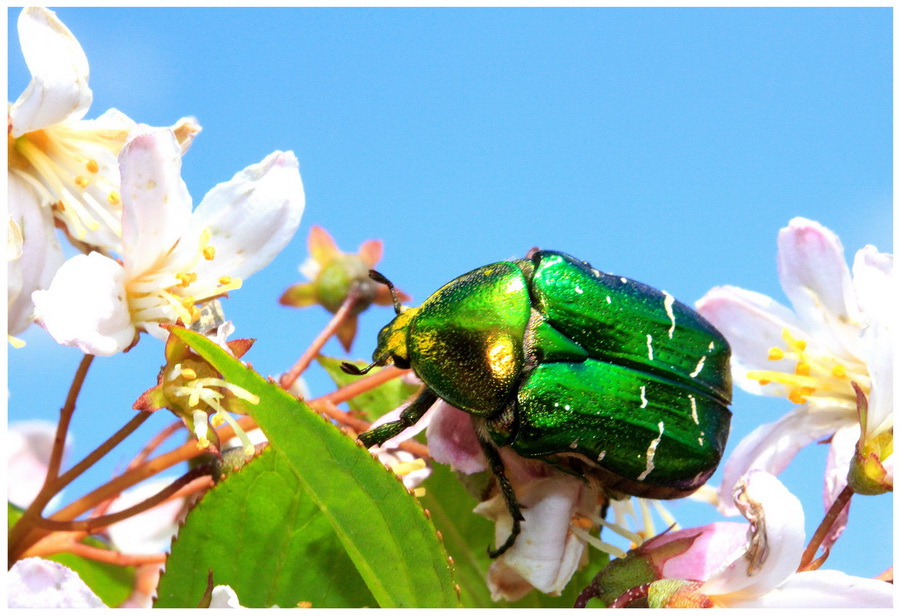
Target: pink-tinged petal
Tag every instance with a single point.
(876, 292)
(28, 448)
(841, 452)
(772, 446)
(40, 254)
(452, 440)
(779, 515)
(546, 553)
(35, 582)
(823, 589)
(59, 74)
(712, 545)
(149, 532)
(752, 323)
(156, 205)
(371, 252)
(252, 217)
(815, 277)
(85, 306)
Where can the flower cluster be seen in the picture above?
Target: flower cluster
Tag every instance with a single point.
(147, 261)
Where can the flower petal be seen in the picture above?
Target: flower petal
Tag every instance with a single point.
(841, 452)
(876, 292)
(35, 582)
(752, 323)
(545, 554)
(772, 446)
(156, 205)
(823, 588)
(59, 74)
(815, 277)
(85, 306)
(452, 440)
(780, 514)
(252, 217)
(713, 544)
(40, 258)
(28, 448)
(148, 532)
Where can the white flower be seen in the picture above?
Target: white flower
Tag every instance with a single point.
(35, 582)
(223, 596)
(762, 572)
(172, 258)
(58, 161)
(839, 331)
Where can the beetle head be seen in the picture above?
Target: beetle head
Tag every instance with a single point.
(392, 340)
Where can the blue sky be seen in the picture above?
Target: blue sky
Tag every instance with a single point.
(666, 145)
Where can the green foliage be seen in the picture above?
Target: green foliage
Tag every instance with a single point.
(265, 537)
(313, 478)
(112, 583)
(372, 404)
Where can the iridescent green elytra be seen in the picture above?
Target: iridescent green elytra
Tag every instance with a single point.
(600, 376)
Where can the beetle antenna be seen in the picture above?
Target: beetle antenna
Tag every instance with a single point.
(355, 371)
(379, 278)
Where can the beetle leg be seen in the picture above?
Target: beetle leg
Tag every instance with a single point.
(509, 495)
(410, 415)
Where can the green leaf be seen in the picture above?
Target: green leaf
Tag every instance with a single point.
(383, 530)
(374, 403)
(112, 583)
(262, 535)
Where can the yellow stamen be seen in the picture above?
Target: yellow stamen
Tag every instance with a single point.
(405, 468)
(92, 166)
(775, 354)
(225, 280)
(189, 374)
(114, 198)
(839, 371)
(81, 182)
(209, 253)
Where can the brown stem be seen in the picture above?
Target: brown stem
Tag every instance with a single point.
(310, 354)
(149, 448)
(806, 561)
(92, 524)
(62, 428)
(133, 424)
(115, 558)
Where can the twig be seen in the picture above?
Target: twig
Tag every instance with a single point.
(303, 363)
(92, 524)
(806, 561)
(62, 428)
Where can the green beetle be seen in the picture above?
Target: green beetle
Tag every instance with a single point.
(600, 376)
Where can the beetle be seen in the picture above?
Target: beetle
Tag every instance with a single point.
(600, 376)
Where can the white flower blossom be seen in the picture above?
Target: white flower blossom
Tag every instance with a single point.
(839, 332)
(57, 160)
(172, 258)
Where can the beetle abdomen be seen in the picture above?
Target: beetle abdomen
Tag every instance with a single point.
(645, 429)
